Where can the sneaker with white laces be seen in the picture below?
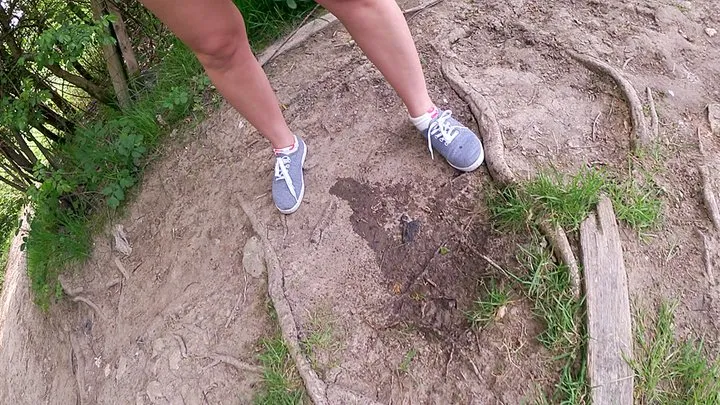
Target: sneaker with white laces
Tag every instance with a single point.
(288, 187)
(455, 142)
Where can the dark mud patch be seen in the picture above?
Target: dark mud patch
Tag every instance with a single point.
(433, 274)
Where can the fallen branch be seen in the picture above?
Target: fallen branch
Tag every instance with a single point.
(489, 128)
(318, 391)
(654, 121)
(709, 196)
(563, 252)
(641, 137)
(706, 257)
(121, 268)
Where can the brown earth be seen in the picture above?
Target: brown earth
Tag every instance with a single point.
(165, 335)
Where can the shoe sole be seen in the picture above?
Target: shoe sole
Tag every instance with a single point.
(302, 189)
(473, 166)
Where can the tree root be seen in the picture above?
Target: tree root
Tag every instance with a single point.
(641, 135)
(709, 273)
(91, 304)
(563, 253)
(654, 121)
(238, 364)
(709, 196)
(318, 391)
(501, 172)
(489, 128)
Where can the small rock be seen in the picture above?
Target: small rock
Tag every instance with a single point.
(121, 243)
(714, 118)
(410, 229)
(107, 370)
(671, 93)
(711, 32)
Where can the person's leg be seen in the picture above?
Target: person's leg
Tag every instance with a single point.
(380, 29)
(215, 31)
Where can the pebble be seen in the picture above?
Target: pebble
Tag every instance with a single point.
(711, 32)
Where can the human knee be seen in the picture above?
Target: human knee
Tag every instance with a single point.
(220, 51)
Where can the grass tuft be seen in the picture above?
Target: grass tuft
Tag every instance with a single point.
(670, 371)
(567, 201)
(281, 383)
(490, 306)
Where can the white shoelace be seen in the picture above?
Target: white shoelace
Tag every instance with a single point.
(442, 130)
(281, 173)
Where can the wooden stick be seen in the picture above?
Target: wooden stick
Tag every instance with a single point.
(641, 137)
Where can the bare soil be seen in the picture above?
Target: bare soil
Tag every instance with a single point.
(192, 306)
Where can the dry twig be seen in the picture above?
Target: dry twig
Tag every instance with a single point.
(654, 121)
(563, 252)
(709, 196)
(709, 273)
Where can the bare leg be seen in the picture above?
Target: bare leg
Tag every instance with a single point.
(215, 31)
(380, 29)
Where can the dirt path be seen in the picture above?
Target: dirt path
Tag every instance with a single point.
(169, 333)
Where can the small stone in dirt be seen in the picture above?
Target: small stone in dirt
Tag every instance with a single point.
(121, 243)
(253, 257)
(410, 229)
(711, 32)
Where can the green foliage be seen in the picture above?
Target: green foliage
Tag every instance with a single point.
(69, 40)
(670, 371)
(489, 306)
(266, 20)
(281, 382)
(100, 164)
(10, 205)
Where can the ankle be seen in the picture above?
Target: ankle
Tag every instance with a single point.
(422, 122)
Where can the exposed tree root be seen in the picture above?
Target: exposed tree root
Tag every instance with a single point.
(489, 128)
(238, 364)
(654, 121)
(501, 172)
(91, 304)
(563, 252)
(709, 196)
(318, 391)
(641, 135)
(709, 273)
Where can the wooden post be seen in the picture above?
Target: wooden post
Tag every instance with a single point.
(608, 309)
(124, 43)
(112, 58)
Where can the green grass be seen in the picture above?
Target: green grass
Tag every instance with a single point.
(567, 200)
(11, 203)
(667, 370)
(404, 366)
(489, 306)
(547, 286)
(320, 345)
(281, 383)
(104, 159)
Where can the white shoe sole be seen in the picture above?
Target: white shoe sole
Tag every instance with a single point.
(473, 166)
(302, 189)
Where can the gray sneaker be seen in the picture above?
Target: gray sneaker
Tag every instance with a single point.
(288, 186)
(455, 142)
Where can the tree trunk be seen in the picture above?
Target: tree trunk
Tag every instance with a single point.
(21, 188)
(45, 151)
(49, 134)
(124, 43)
(23, 146)
(112, 58)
